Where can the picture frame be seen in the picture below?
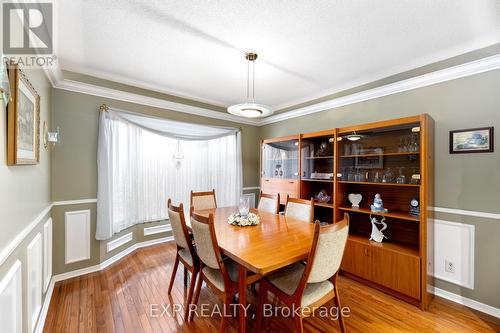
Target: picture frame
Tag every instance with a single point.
(473, 140)
(23, 120)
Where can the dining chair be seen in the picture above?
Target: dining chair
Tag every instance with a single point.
(185, 252)
(300, 209)
(307, 287)
(221, 276)
(269, 203)
(203, 200)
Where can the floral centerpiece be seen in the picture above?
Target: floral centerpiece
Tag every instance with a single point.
(243, 221)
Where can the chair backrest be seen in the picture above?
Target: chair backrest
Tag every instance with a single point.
(206, 241)
(269, 203)
(203, 200)
(300, 209)
(327, 250)
(178, 223)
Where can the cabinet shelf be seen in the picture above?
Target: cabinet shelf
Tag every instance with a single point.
(317, 180)
(394, 214)
(395, 247)
(377, 184)
(318, 158)
(323, 204)
(382, 154)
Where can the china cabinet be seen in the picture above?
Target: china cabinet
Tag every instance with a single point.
(393, 159)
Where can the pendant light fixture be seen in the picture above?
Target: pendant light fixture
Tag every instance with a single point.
(250, 109)
(178, 154)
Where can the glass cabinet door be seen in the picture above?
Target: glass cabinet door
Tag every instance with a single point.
(280, 159)
(387, 155)
(317, 158)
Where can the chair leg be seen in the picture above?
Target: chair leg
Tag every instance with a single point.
(189, 297)
(196, 294)
(336, 301)
(298, 324)
(260, 307)
(185, 276)
(174, 271)
(226, 306)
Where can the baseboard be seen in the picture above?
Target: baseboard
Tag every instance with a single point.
(488, 309)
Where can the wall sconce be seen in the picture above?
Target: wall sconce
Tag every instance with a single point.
(50, 138)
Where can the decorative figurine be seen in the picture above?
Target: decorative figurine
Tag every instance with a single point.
(414, 207)
(322, 196)
(377, 234)
(355, 199)
(378, 205)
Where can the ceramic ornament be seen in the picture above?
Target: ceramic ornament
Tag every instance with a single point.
(355, 199)
(377, 234)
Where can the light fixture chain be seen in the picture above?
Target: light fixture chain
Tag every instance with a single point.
(253, 81)
(248, 80)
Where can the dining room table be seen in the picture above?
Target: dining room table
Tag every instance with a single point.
(277, 241)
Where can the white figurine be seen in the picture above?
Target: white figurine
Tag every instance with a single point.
(377, 234)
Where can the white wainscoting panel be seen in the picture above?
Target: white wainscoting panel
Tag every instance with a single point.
(34, 272)
(47, 253)
(157, 229)
(11, 305)
(116, 243)
(251, 199)
(77, 236)
(454, 242)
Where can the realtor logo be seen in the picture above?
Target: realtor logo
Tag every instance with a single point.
(27, 28)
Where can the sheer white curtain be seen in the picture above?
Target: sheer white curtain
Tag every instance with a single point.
(137, 172)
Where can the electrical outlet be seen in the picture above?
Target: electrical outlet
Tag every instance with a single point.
(449, 266)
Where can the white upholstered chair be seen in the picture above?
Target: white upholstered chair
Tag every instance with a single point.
(185, 251)
(300, 209)
(203, 200)
(221, 276)
(269, 203)
(309, 286)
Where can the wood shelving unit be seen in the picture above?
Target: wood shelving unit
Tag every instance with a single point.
(398, 265)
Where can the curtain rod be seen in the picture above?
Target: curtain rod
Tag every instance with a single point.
(105, 108)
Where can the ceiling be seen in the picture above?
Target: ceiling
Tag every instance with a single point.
(307, 49)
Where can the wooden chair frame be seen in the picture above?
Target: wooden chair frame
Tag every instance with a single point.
(230, 287)
(304, 202)
(199, 194)
(194, 270)
(294, 300)
(275, 196)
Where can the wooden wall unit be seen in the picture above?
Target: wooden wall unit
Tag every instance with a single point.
(393, 158)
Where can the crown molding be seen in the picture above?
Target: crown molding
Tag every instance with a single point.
(55, 76)
(447, 74)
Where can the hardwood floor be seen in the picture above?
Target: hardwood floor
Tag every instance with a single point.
(119, 298)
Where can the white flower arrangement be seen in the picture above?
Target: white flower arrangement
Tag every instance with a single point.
(239, 220)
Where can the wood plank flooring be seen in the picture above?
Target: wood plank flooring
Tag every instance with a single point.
(119, 298)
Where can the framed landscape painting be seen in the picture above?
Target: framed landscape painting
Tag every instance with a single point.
(23, 120)
(474, 140)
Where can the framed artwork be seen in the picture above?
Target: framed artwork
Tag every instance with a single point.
(474, 140)
(23, 120)
(4, 83)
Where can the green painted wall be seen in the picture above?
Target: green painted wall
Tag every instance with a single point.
(464, 181)
(24, 190)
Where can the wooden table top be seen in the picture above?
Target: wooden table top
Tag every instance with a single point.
(276, 242)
